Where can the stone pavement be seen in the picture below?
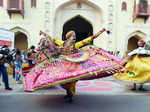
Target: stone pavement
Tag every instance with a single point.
(107, 85)
(12, 84)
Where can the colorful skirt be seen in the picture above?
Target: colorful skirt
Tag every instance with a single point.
(140, 66)
(61, 70)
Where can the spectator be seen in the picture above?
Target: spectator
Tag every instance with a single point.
(23, 56)
(30, 53)
(18, 66)
(5, 58)
(13, 53)
(118, 53)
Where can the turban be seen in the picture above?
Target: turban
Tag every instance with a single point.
(69, 34)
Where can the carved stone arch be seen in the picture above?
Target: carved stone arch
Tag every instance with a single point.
(79, 15)
(67, 10)
(82, 27)
(21, 38)
(19, 29)
(69, 2)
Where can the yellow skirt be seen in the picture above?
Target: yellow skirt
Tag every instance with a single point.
(141, 68)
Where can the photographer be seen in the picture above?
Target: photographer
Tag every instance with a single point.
(4, 60)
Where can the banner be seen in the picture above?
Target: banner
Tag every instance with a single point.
(7, 38)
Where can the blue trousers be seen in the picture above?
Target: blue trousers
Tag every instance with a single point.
(4, 73)
(18, 70)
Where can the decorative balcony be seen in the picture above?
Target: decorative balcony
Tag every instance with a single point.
(141, 11)
(15, 6)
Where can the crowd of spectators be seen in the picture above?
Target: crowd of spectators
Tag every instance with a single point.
(15, 59)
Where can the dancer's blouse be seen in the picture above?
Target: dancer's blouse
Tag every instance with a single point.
(77, 44)
(69, 48)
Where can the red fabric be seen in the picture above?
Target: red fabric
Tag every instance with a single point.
(27, 68)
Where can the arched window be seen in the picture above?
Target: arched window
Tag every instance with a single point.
(124, 6)
(1, 3)
(143, 6)
(13, 4)
(33, 3)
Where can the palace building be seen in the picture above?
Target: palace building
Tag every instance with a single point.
(128, 21)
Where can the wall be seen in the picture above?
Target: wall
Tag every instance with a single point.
(51, 15)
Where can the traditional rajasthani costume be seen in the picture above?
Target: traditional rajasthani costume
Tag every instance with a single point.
(139, 64)
(73, 64)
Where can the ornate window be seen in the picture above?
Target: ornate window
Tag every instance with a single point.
(15, 6)
(141, 10)
(1, 3)
(33, 3)
(124, 6)
(143, 6)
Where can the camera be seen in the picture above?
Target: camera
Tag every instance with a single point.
(5, 56)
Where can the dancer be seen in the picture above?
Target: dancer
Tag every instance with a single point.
(138, 63)
(70, 47)
(71, 64)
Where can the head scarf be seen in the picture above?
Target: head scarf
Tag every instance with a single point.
(141, 43)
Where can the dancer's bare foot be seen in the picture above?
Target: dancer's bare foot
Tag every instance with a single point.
(69, 99)
(141, 88)
(66, 97)
(134, 87)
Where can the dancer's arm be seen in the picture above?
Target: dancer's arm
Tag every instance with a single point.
(98, 33)
(57, 42)
(144, 51)
(89, 39)
(148, 52)
(83, 42)
(136, 51)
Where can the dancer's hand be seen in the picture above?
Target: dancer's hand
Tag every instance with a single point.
(41, 32)
(98, 33)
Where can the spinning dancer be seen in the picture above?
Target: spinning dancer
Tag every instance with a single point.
(70, 47)
(67, 65)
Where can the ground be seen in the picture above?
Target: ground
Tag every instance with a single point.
(99, 86)
(101, 95)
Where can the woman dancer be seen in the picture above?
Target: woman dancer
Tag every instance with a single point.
(138, 63)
